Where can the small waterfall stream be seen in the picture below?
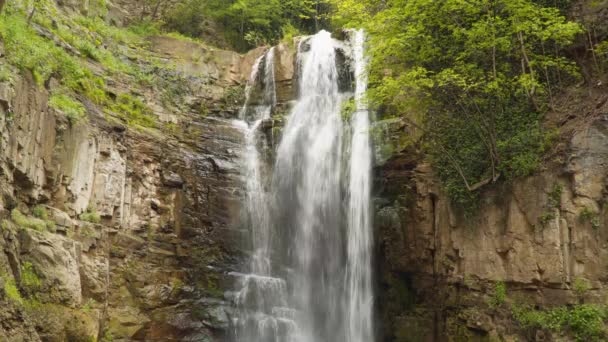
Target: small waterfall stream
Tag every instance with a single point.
(310, 272)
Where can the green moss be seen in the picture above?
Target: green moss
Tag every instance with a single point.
(6, 225)
(234, 96)
(12, 292)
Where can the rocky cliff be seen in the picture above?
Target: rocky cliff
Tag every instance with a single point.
(531, 264)
(116, 232)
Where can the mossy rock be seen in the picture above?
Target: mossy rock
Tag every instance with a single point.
(56, 323)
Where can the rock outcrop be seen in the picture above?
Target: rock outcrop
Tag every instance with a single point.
(111, 232)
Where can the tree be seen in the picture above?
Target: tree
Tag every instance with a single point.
(478, 74)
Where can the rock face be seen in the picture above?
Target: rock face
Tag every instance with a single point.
(139, 226)
(542, 236)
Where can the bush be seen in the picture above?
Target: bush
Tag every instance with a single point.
(40, 212)
(584, 321)
(145, 28)
(90, 215)
(28, 222)
(29, 278)
(588, 215)
(499, 296)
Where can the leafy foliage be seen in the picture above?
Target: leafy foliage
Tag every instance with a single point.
(249, 23)
(585, 321)
(589, 215)
(499, 296)
(90, 215)
(29, 278)
(474, 76)
(30, 222)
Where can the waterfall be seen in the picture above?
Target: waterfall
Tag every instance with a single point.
(307, 181)
(310, 271)
(359, 276)
(261, 299)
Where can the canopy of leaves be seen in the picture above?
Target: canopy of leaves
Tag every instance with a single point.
(479, 73)
(248, 23)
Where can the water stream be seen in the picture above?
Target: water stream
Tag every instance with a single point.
(310, 274)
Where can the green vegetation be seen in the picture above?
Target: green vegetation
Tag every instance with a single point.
(589, 215)
(584, 321)
(553, 203)
(475, 77)
(249, 23)
(11, 291)
(581, 286)
(90, 215)
(90, 303)
(40, 212)
(347, 109)
(29, 278)
(64, 57)
(31, 222)
(499, 296)
(71, 108)
(5, 225)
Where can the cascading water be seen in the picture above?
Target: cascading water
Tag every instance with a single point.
(359, 276)
(261, 299)
(310, 274)
(308, 194)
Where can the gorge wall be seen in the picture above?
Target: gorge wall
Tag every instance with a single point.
(154, 266)
(117, 233)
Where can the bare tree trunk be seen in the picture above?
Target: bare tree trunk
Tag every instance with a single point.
(31, 16)
(1, 5)
(155, 12)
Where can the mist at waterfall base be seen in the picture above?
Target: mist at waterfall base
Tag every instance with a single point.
(308, 213)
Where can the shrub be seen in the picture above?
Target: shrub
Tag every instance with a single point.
(584, 321)
(589, 215)
(145, 28)
(28, 222)
(40, 212)
(581, 286)
(29, 278)
(499, 296)
(90, 215)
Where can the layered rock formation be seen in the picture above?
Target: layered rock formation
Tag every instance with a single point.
(135, 227)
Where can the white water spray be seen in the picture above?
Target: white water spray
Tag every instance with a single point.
(310, 276)
(359, 267)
